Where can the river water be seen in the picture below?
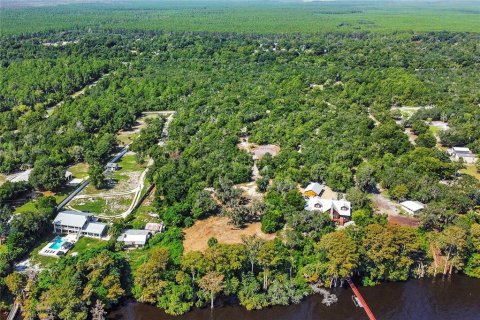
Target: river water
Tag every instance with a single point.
(457, 298)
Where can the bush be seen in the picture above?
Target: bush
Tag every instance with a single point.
(272, 221)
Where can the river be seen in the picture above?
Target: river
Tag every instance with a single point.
(457, 298)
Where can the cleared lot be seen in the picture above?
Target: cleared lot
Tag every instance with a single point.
(196, 237)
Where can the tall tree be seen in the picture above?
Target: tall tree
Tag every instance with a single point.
(341, 253)
(253, 244)
(268, 257)
(211, 284)
(453, 243)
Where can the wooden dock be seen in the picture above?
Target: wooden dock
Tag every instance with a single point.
(363, 303)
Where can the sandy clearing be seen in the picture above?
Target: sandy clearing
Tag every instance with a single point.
(196, 237)
(259, 151)
(249, 190)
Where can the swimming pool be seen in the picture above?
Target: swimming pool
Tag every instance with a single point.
(57, 243)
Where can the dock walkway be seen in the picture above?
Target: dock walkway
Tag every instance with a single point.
(362, 301)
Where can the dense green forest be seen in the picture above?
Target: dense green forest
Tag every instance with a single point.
(328, 100)
(271, 17)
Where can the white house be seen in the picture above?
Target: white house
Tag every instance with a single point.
(134, 237)
(80, 223)
(340, 210)
(461, 152)
(412, 207)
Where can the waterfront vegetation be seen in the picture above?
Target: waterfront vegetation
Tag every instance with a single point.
(312, 83)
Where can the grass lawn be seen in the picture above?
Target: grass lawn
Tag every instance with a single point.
(471, 170)
(97, 205)
(3, 179)
(59, 195)
(129, 163)
(27, 207)
(80, 170)
(85, 243)
(110, 206)
(125, 138)
(3, 248)
(141, 216)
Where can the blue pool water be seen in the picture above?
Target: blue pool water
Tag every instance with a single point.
(57, 243)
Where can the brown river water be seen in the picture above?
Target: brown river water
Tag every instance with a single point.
(457, 298)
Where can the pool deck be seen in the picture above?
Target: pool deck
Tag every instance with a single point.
(56, 253)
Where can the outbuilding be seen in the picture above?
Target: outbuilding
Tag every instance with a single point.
(154, 227)
(134, 237)
(314, 189)
(112, 166)
(412, 207)
(464, 153)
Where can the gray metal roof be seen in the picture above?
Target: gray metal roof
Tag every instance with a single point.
(72, 218)
(315, 187)
(95, 227)
(136, 232)
(134, 236)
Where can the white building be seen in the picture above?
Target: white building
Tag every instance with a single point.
(68, 176)
(80, 223)
(460, 152)
(112, 166)
(134, 237)
(412, 207)
(340, 210)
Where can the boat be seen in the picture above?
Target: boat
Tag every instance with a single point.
(356, 302)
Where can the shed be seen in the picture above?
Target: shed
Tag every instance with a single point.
(412, 207)
(112, 166)
(154, 227)
(314, 189)
(464, 153)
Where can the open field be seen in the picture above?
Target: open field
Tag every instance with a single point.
(119, 194)
(59, 196)
(471, 170)
(85, 243)
(245, 17)
(79, 170)
(145, 212)
(196, 237)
